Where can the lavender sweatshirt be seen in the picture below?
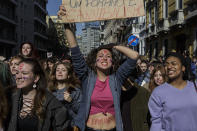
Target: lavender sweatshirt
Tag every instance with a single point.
(173, 109)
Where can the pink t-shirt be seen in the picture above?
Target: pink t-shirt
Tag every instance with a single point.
(102, 99)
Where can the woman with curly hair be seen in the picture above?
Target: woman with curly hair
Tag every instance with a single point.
(65, 87)
(158, 77)
(33, 107)
(173, 104)
(101, 84)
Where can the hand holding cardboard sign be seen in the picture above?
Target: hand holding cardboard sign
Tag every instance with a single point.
(61, 12)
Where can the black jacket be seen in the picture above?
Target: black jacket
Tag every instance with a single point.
(55, 114)
(135, 109)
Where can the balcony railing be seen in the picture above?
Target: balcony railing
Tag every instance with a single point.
(8, 38)
(42, 5)
(14, 1)
(191, 10)
(40, 35)
(7, 17)
(177, 17)
(163, 25)
(152, 30)
(190, 2)
(40, 21)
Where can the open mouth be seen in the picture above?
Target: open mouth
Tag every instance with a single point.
(104, 63)
(170, 72)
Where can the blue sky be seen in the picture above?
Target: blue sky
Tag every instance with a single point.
(53, 7)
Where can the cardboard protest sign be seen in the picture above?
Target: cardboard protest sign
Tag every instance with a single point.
(93, 10)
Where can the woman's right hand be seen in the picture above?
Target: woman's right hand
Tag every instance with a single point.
(61, 12)
(68, 28)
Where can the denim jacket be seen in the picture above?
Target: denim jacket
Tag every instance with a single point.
(88, 79)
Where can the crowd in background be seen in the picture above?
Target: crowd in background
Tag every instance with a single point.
(59, 91)
(100, 93)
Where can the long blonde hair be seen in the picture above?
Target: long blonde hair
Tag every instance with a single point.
(72, 81)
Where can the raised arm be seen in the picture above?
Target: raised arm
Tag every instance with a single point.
(78, 61)
(125, 70)
(68, 32)
(70, 37)
(127, 51)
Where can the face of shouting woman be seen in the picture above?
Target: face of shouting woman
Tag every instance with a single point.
(24, 76)
(104, 59)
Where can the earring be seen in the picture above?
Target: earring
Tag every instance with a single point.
(34, 85)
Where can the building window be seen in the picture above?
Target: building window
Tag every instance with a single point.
(156, 50)
(165, 9)
(155, 13)
(179, 4)
(21, 4)
(22, 38)
(165, 47)
(150, 16)
(150, 51)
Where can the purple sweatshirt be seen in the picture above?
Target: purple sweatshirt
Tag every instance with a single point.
(173, 109)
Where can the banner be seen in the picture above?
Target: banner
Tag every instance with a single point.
(94, 10)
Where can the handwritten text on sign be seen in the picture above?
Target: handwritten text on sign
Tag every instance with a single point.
(93, 10)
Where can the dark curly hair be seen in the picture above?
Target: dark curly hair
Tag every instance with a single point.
(91, 58)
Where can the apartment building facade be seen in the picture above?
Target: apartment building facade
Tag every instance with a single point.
(8, 25)
(171, 25)
(90, 38)
(20, 21)
(119, 30)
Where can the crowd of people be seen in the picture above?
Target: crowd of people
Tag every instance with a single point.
(99, 93)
